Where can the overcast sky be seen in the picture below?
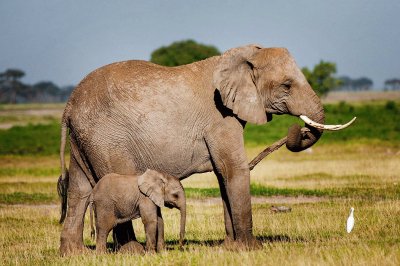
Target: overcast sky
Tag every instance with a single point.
(62, 41)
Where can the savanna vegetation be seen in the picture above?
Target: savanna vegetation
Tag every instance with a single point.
(182, 53)
(357, 167)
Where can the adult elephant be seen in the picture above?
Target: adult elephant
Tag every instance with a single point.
(131, 116)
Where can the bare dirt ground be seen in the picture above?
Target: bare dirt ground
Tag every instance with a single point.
(263, 200)
(23, 114)
(211, 201)
(361, 96)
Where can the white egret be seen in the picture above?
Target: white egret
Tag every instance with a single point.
(350, 221)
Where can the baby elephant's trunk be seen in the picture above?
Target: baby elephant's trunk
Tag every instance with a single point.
(183, 223)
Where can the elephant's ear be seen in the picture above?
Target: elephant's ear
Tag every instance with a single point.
(152, 183)
(234, 78)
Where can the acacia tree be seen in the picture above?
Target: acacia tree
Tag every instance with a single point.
(322, 78)
(393, 84)
(10, 83)
(182, 52)
(362, 83)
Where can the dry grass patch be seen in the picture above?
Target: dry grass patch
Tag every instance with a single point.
(313, 233)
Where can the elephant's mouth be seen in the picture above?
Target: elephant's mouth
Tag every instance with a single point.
(169, 205)
(269, 117)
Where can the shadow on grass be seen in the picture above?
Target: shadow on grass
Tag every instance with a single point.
(279, 238)
(172, 244)
(219, 242)
(109, 246)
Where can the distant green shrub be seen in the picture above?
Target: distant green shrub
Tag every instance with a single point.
(390, 105)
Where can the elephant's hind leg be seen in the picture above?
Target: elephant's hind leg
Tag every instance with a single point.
(78, 192)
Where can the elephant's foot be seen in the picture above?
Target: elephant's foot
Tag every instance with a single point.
(160, 247)
(247, 244)
(228, 241)
(68, 247)
(132, 247)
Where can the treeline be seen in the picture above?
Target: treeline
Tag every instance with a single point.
(364, 83)
(392, 84)
(13, 90)
(359, 84)
(322, 77)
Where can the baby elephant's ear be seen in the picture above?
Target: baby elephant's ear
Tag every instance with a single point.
(151, 183)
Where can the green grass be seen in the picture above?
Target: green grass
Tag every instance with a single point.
(375, 122)
(30, 140)
(367, 192)
(27, 198)
(29, 171)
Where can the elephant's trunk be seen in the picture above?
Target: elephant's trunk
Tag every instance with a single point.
(298, 139)
(183, 223)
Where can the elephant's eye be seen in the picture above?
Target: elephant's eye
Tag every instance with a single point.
(287, 84)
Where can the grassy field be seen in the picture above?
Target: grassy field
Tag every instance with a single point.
(357, 167)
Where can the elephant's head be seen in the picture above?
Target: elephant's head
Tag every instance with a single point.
(256, 82)
(165, 190)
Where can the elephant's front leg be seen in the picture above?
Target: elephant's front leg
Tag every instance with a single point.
(148, 213)
(226, 146)
(160, 231)
(230, 236)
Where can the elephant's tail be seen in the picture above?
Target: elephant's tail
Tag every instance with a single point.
(64, 128)
(92, 231)
(62, 185)
(62, 188)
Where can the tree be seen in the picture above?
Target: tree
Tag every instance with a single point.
(182, 52)
(321, 78)
(393, 84)
(362, 83)
(12, 90)
(12, 74)
(46, 91)
(65, 92)
(10, 84)
(348, 83)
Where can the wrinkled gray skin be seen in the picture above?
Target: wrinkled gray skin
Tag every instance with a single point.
(121, 198)
(129, 116)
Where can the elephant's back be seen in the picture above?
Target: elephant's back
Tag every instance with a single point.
(124, 85)
(117, 188)
(101, 84)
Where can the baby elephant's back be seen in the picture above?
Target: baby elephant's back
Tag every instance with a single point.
(118, 191)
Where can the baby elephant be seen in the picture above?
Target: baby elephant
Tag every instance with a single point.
(120, 198)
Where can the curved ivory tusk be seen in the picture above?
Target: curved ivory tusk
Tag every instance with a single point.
(325, 127)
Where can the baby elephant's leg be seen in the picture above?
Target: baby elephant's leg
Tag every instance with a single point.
(148, 212)
(101, 241)
(105, 221)
(160, 231)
